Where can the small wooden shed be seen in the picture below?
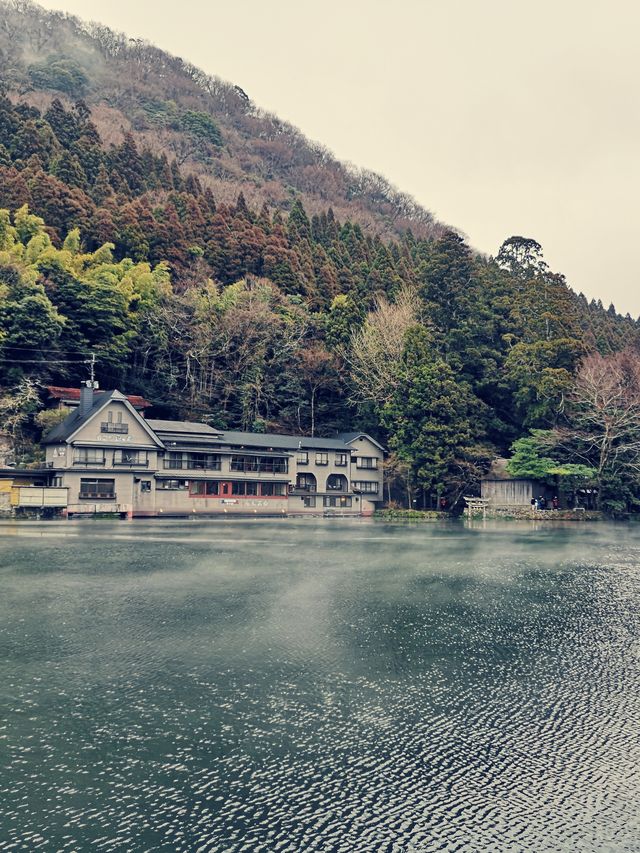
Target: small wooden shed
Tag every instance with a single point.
(501, 489)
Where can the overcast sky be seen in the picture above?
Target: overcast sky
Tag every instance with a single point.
(501, 116)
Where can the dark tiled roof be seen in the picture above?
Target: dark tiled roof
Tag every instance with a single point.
(263, 440)
(282, 442)
(192, 428)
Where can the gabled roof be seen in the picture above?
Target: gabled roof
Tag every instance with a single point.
(72, 396)
(65, 430)
(349, 437)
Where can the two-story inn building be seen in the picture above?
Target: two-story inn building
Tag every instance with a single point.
(110, 458)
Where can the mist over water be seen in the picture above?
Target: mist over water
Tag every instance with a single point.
(328, 685)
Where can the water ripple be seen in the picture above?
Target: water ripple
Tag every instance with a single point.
(471, 692)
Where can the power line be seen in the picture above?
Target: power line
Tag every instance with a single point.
(39, 361)
(11, 348)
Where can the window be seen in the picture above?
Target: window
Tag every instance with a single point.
(57, 482)
(249, 489)
(337, 483)
(145, 485)
(88, 456)
(204, 488)
(367, 487)
(99, 489)
(129, 457)
(173, 460)
(370, 462)
(172, 485)
(267, 464)
(302, 457)
(322, 458)
(110, 426)
(306, 482)
(273, 490)
(309, 500)
(337, 501)
(341, 460)
(202, 461)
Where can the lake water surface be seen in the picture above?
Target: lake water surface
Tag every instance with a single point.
(319, 685)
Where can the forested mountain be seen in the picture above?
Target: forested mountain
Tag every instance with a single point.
(197, 120)
(223, 266)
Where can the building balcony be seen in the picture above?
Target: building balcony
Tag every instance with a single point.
(92, 463)
(107, 426)
(202, 466)
(141, 463)
(198, 465)
(236, 468)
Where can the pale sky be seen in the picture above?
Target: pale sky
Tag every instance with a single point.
(502, 117)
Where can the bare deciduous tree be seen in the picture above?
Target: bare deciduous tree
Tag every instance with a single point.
(606, 406)
(375, 353)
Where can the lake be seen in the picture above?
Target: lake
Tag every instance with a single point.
(319, 685)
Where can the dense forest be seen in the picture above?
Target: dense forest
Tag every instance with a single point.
(220, 264)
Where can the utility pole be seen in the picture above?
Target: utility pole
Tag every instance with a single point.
(92, 363)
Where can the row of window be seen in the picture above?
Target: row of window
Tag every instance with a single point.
(211, 461)
(104, 489)
(367, 487)
(340, 460)
(268, 464)
(192, 461)
(309, 501)
(96, 456)
(205, 488)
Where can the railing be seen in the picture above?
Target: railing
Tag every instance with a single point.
(98, 496)
(203, 465)
(138, 463)
(305, 487)
(339, 488)
(35, 496)
(192, 465)
(107, 426)
(257, 467)
(89, 462)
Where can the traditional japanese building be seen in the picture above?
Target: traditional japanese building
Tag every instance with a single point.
(111, 459)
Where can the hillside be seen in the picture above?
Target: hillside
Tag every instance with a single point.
(204, 123)
(224, 267)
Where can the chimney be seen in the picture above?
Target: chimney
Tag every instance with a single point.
(86, 398)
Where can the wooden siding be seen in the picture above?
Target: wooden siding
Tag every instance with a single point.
(508, 492)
